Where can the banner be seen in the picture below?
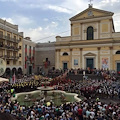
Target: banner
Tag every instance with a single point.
(105, 63)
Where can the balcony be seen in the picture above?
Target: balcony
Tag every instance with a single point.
(16, 48)
(11, 48)
(15, 40)
(2, 46)
(10, 38)
(11, 57)
(15, 57)
(8, 57)
(2, 36)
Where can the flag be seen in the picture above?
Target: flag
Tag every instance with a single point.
(13, 79)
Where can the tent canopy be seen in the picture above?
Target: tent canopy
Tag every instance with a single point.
(3, 80)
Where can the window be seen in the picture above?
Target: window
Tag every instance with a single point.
(90, 33)
(8, 62)
(19, 47)
(65, 54)
(118, 52)
(14, 37)
(46, 59)
(19, 54)
(75, 61)
(1, 34)
(8, 35)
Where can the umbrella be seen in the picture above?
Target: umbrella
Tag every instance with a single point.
(3, 80)
(48, 103)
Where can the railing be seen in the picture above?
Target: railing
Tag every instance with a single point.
(10, 38)
(2, 36)
(11, 47)
(11, 57)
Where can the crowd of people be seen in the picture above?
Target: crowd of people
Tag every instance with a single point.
(87, 109)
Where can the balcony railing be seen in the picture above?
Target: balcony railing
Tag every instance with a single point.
(11, 48)
(11, 57)
(2, 36)
(10, 38)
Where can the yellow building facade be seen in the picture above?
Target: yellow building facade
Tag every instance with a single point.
(93, 42)
(11, 47)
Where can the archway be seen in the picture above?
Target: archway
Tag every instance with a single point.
(14, 70)
(20, 71)
(8, 71)
(118, 52)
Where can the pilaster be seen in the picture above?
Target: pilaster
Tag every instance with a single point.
(70, 58)
(111, 58)
(98, 57)
(81, 57)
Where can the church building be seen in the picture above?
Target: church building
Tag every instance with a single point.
(93, 42)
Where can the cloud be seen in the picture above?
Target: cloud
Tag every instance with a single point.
(116, 19)
(39, 34)
(19, 20)
(58, 9)
(8, 0)
(10, 20)
(110, 2)
(45, 19)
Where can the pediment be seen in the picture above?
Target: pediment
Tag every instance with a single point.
(90, 54)
(91, 13)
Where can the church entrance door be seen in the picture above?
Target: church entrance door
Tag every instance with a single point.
(90, 63)
(118, 67)
(65, 65)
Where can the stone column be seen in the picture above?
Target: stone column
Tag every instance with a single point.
(57, 58)
(98, 57)
(70, 58)
(111, 58)
(81, 58)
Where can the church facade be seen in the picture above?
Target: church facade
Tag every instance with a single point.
(93, 42)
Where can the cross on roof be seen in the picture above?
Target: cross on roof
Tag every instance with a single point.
(90, 1)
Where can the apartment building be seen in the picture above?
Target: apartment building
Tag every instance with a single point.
(11, 47)
(28, 56)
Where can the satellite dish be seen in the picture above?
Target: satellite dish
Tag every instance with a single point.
(2, 66)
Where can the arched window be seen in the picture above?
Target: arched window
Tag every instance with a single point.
(118, 52)
(65, 54)
(90, 33)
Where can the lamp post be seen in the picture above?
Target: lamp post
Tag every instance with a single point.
(83, 75)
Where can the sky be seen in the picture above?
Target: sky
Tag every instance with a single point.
(43, 20)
